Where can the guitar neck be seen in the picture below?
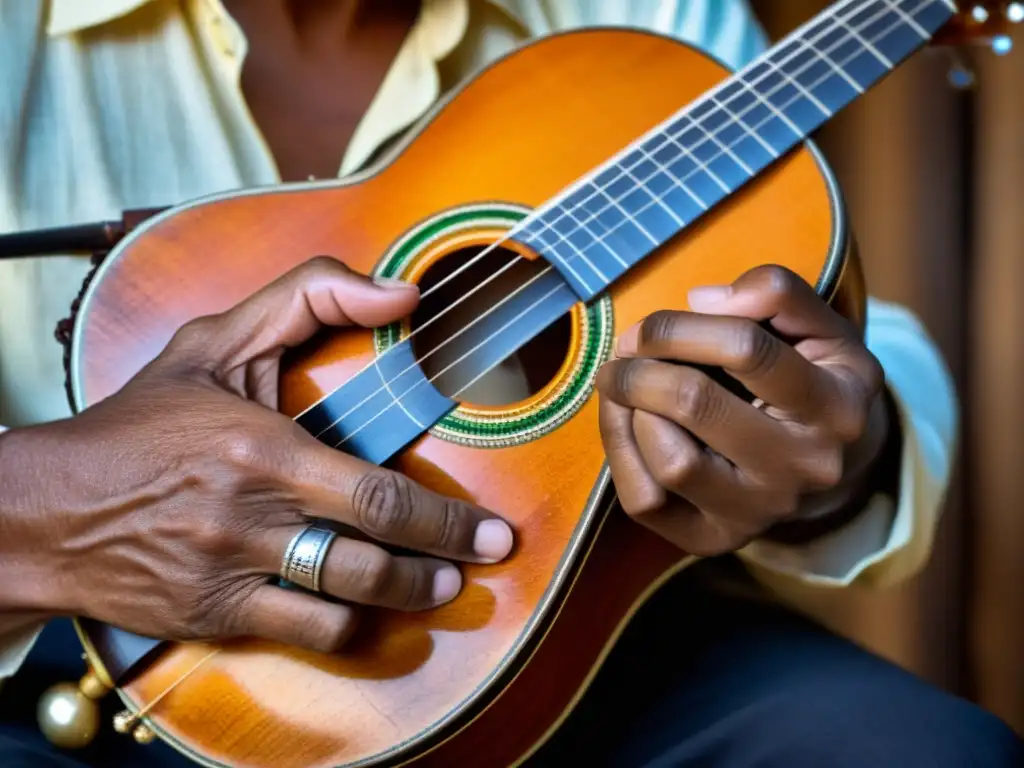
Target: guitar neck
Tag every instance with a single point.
(603, 225)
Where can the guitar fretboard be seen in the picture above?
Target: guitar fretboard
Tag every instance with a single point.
(596, 231)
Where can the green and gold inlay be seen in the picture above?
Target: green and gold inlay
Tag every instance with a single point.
(513, 425)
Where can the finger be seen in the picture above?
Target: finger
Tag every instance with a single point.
(848, 374)
(362, 572)
(765, 365)
(694, 401)
(700, 476)
(778, 295)
(394, 509)
(295, 618)
(288, 311)
(644, 499)
(635, 486)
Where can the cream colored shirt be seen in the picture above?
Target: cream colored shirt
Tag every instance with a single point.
(114, 104)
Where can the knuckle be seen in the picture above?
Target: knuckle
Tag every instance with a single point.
(874, 376)
(382, 503)
(695, 401)
(852, 422)
(779, 282)
(623, 377)
(658, 327)
(615, 438)
(715, 538)
(676, 470)
(785, 505)
(326, 632)
(449, 531)
(754, 350)
(239, 449)
(643, 502)
(319, 265)
(828, 467)
(211, 536)
(192, 338)
(372, 573)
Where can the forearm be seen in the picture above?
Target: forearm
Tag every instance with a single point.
(30, 577)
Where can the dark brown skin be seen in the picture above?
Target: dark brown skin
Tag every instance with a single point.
(800, 456)
(177, 537)
(312, 70)
(112, 516)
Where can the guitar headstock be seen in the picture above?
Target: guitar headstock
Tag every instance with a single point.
(978, 26)
(986, 24)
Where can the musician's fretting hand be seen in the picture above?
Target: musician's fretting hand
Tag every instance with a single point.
(168, 507)
(711, 472)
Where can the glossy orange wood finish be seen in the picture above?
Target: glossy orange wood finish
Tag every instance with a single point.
(518, 133)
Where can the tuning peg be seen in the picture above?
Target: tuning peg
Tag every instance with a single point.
(960, 74)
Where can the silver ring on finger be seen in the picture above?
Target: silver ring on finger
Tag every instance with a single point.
(304, 557)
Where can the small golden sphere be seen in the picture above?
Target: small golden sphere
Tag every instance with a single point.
(143, 734)
(92, 686)
(123, 721)
(67, 717)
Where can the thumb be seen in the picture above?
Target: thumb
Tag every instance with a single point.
(289, 311)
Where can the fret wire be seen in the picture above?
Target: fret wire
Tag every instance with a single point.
(877, 53)
(549, 248)
(679, 182)
(598, 238)
(548, 224)
(746, 126)
(716, 140)
(583, 225)
(625, 213)
(825, 110)
(912, 22)
(642, 186)
(779, 113)
(673, 137)
(839, 70)
(591, 264)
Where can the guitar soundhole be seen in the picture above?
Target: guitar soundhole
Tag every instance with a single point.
(518, 377)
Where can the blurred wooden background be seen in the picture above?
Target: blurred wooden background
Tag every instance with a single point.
(934, 181)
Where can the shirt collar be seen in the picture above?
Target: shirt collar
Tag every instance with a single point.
(411, 85)
(69, 16)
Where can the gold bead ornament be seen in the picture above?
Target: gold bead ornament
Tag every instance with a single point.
(69, 714)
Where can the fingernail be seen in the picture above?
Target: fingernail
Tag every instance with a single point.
(709, 298)
(447, 583)
(392, 282)
(493, 540)
(628, 342)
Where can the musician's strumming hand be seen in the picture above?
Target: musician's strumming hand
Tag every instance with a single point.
(708, 470)
(167, 508)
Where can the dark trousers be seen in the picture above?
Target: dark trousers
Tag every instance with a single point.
(698, 679)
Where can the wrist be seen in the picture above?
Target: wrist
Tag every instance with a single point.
(33, 575)
(877, 473)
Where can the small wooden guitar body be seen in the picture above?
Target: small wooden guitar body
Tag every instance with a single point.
(483, 680)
